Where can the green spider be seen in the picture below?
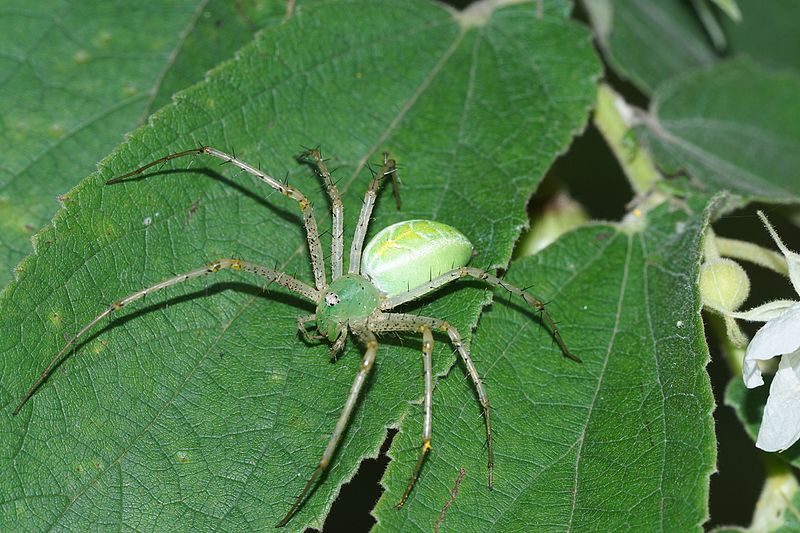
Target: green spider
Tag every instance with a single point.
(402, 263)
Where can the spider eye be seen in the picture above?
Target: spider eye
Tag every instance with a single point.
(331, 299)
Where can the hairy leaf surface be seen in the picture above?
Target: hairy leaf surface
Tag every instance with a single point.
(623, 441)
(77, 76)
(730, 127)
(202, 409)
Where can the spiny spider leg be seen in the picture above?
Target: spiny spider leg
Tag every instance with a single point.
(386, 171)
(280, 278)
(312, 232)
(389, 168)
(395, 183)
(337, 213)
(427, 403)
(371, 345)
(339, 343)
(404, 322)
(458, 273)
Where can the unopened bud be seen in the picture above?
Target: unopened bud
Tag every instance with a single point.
(724, 285)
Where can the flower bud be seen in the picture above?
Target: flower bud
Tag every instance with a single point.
(724, 285)
(557, 216)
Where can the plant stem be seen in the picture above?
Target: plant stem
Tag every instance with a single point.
(733, 354)
(615, 118)
(753, 253)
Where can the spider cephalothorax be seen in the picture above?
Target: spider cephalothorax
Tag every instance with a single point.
(349, 298)
(403, 262)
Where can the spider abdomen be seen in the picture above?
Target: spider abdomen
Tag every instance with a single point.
(408, 254)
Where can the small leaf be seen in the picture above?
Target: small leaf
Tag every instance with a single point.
(767, 33)
(649, 42)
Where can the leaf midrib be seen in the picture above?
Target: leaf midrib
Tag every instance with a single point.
(171, 58)
(576, 274)
(733, 173)
(600, 377)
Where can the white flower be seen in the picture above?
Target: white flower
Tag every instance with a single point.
(780, 426)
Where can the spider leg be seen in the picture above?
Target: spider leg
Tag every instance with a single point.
(339, 343)
(280, 278)
(405, 322)
(389, 169)
(337, 213)
(395, 183)
(301, 327)
(312, 232)
(368, 339)
(494, 281)
(427, 366)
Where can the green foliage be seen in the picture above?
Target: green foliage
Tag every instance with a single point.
(78, 76)
(767, 33)
(621, 427)
(707, 125)
(651, 42)
(202, 408)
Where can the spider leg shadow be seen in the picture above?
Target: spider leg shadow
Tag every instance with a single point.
(287, 215)
(201, 293)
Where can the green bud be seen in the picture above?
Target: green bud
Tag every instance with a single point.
(724, 285)
(559, 215)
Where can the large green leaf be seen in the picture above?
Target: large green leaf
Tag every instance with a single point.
(76, 76)
(623, 441)
(730, 127)
(204, 409)
(650, 42)
(767, 32)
